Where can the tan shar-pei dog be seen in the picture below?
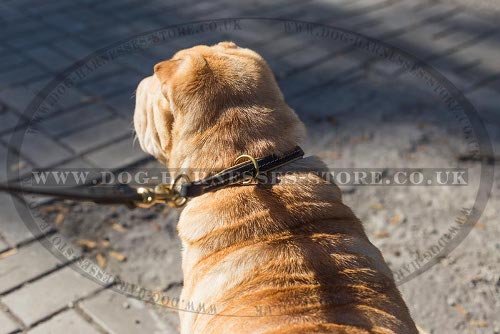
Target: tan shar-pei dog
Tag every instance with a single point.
(287, 258)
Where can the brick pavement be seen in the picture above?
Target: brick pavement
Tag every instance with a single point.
(38, 294)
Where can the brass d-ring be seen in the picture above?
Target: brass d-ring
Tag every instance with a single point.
(178, 200)
(255, 165)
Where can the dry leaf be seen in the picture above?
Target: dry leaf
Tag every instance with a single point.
(101, 260)
(479, 225)
(156, 227)
(118, 256)
(118, 227)
(461, 310)
(377, 206)
(382, 234)
(104, 244)
(49, 208)
(395, 219)
(59, 219)
(87, 243)
(476, 323)
(8, 253)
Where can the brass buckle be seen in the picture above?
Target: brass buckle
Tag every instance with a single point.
(241, 159)
(163, 193)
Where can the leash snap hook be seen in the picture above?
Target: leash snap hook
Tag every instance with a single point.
(162, 193)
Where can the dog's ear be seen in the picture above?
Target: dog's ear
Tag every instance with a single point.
(179, 71)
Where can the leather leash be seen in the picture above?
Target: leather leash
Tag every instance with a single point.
(176, 194)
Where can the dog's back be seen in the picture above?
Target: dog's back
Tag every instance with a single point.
(287, 258)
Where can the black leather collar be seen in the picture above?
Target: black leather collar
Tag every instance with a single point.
(238, 173)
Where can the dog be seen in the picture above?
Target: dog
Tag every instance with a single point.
(287, 258)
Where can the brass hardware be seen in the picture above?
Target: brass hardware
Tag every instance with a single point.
(162, 193)
(241, 159)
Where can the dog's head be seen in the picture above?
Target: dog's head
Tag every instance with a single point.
(207, 105)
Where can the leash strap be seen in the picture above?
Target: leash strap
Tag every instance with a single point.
(242, 173)
(118, 194)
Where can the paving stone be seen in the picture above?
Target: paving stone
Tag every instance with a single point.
(20, 27)
(64, 122)
(118, 82)
(12, 227)
(107, 310)
(62, 21)
(20, 74)
(29, 262)
(9, 60)
(397, 22)
(7, 325)
(50, 58)
(72, 48)
(64, 322)
(91, 17)
(73, 98)
(52, 293)
(485, 51)
(105, 34)
(17, 97)
(120, 154)
(141, 62)
(123, 104)
(43, 8)
(40, 148)
(9, 14)
(331, 100)
(203, 9)
(5, 170)
(102, 133)
(33, 37)
(336, 68)
(9, 120)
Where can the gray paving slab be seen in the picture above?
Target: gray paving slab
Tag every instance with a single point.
(121, 315)
(29, 262)
(62, 21)
(72, 48)
(9, 120)
(104, 132)
(12, 226)
(119, 154)
(49, 58)
(486, 51)
(123, 104)
(68, 321)
(7, 325)
(12, 59)
(39, 148)
(16, 97)
(121, 81)
(48, 295)
(20, 74)
(64, 122)
(22, 166)
(10, 14)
